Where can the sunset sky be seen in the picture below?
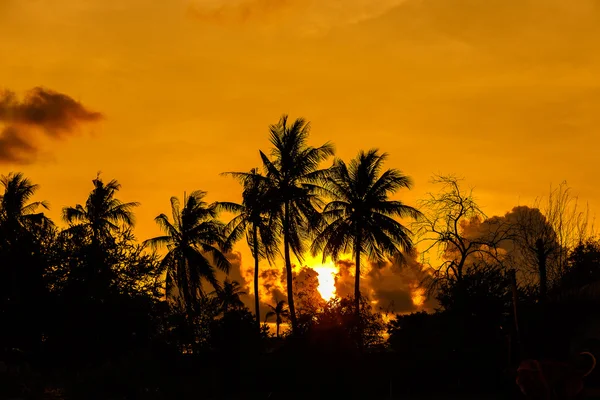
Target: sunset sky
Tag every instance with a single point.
(503, 92)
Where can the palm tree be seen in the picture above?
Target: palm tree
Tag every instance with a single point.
(280, 312)
(360, 215)
(16, 216)
(292, 175)
(103, 214)
(23, 262)
(194, 234)
(229, 296)
(254, 220)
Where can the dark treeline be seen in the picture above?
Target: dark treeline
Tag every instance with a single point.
(89, 312)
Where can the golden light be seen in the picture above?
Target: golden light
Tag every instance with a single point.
(417, 296)
(326, 282)
(327, 272)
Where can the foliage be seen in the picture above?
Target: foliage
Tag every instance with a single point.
(255, 219)
(195, 242)
(228, 297)
(583, 266)
(23, 259)
(279, 312)
(102, 315)
(360, 216)
(102, 214)
(337, 329)
(292, 176)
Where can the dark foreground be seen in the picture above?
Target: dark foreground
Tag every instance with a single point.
(268, 376)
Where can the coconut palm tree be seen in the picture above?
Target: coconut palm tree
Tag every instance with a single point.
(361, 217)
(23, 232)
(195, 243)
(229, 295)
(279, 312)
(16, 215)
(293, 174)
(103, 214)
(254, 220)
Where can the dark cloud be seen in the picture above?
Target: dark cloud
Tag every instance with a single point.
(42, 113)
(13, 147)
(271, 278)
(344, 281)
(389, 286)
(524, 226)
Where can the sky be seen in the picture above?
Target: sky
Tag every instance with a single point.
(166, 95)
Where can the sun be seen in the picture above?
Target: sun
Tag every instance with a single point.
(327, 272)
(326, 282)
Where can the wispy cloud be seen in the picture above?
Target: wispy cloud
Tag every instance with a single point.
(304, 16)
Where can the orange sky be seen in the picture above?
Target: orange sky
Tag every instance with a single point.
(504, 92)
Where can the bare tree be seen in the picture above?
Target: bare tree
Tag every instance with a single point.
(453, 229)
(571, 224)
(546, 233)
(535, 245)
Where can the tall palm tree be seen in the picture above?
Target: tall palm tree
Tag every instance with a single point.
(195, 242)
(293, 174)
(254, 220)
(228, 296)
(279, 312)
(100, 219)
(103, 214)
(360, 216)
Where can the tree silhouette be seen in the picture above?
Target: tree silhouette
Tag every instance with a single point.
(279, 312)
(360, 216)
(23, 235)
(228, 296)
(442, 228)
(16, 215)
(537, 243)
(293, 175)
(194, 234)
(254, 220)
(102, 213)
(102, 216)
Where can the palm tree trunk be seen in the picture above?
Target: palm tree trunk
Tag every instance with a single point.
(256, 298)
(288, 267)
(357, 278)
(277, 324)
(358, 250)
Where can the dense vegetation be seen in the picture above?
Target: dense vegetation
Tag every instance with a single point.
(87, 311)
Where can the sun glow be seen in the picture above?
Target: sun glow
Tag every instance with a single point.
(327, 272)
(326, 282)
(418, 296)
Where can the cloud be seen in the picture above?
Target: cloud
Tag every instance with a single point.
(515, 234)
(308, 16)
(389, 286)
(42, 113)
(271, 283)
(237, 11)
